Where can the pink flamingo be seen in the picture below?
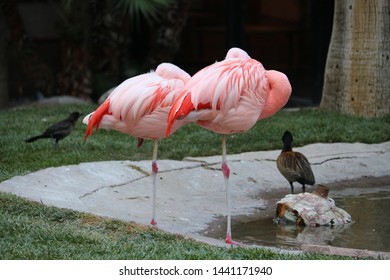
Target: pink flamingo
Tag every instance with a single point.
(139, 107)
(230, 96)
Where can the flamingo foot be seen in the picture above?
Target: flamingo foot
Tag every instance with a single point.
(153, 222)
(230, 241)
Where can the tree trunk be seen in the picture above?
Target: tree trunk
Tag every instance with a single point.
(357, 74)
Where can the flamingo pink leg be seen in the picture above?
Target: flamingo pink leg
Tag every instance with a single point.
(154, 175)
(226, 174)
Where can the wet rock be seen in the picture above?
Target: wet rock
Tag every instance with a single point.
(311, 209)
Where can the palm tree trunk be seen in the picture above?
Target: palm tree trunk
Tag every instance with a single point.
(358, 64)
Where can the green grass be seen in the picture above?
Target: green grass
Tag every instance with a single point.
(29, 230)
(307, 126)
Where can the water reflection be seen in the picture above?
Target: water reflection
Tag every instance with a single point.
(371, 227)
(296, 235)
(369, 230)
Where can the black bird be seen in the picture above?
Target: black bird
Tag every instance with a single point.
(59, 130)
(294, 166)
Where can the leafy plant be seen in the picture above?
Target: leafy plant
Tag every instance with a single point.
(150, 10)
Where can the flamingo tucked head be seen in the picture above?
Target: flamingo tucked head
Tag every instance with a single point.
(237, 53)
(277, 97)
(170, 71)
(280, 87)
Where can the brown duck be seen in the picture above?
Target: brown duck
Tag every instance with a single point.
(294, 166)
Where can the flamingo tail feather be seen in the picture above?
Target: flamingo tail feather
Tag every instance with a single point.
(179, 110)
(96, 118)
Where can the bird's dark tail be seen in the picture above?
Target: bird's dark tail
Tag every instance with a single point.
(32, 139)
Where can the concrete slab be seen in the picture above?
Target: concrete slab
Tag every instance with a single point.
(191, 193)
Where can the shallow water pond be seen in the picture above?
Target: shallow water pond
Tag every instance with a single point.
(369, 230)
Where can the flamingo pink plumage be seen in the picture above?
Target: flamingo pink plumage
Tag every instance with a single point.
(230, 96)
(139, 107)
